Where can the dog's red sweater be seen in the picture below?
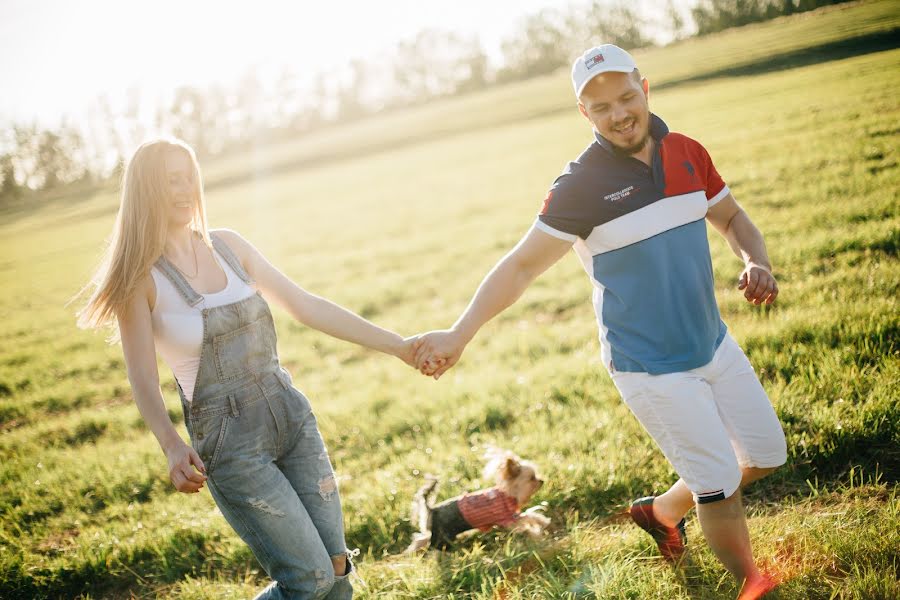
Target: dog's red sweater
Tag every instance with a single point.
(485, 508)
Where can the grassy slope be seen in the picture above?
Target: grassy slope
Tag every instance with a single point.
(811, 152)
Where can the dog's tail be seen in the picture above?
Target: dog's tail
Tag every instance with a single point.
(420, 514)
(422, 504)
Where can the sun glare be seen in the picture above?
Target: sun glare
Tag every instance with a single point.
(74, 53)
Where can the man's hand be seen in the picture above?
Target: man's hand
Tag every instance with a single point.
(502, 286)
(758, 283)
(186, 470)
(746, 241)
(438, 351)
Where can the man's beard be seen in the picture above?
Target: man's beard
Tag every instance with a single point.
(633, 149)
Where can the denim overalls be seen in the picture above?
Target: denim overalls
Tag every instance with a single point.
(268, 469)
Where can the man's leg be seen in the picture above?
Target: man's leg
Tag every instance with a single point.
(725, 529)
(757, 438)
(679, 412)
(669, 508)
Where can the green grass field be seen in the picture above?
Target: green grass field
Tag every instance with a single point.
(398, 218)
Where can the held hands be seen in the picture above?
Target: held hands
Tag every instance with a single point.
(186, 470)
(437, 351)
(758, 284)
(408, 349)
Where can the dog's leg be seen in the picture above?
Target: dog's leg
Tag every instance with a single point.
(421, 541)
(532, 521)
(537, 512)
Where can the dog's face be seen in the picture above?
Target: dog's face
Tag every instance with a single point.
(518, 478)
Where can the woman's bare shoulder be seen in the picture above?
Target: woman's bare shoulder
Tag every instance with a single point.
(146, 290)
(236, 242)
(227, 234)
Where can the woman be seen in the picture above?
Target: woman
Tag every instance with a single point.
(198, 297)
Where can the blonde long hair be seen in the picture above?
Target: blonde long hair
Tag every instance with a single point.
(139, 235)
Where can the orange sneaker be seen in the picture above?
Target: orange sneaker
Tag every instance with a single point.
(671, 541)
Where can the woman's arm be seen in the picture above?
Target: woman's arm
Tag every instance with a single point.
(136, 332)
(315, 311)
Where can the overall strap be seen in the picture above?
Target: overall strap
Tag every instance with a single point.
(229, 256)
(178, 280)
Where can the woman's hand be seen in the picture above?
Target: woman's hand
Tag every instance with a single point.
(406, 350)
(437, 351)
(186, 470)
(407, 353)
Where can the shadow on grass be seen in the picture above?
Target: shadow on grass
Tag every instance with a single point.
(125, 571)
(803, 57)
(847, 48)
(574, 582)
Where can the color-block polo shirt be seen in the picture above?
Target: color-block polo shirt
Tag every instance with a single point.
(640, 233)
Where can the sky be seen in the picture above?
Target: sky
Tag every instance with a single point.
(58, 56)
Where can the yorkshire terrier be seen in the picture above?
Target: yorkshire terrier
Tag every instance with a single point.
(516, 482)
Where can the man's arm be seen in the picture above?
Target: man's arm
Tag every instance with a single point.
(536, 252)
(746, 241)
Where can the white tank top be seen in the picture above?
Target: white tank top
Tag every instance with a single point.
(178, 326)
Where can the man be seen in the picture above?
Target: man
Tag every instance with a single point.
(633, 207)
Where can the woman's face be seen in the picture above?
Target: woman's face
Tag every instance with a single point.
(182, 187)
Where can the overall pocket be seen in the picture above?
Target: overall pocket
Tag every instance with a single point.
(299, 403)
(244, 350)
(208, 438)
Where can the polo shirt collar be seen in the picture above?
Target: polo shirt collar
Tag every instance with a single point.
(658, 130)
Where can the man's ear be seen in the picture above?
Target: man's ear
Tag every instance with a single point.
(645, 85)
(583, 110)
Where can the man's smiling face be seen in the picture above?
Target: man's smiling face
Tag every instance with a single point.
(617, 106)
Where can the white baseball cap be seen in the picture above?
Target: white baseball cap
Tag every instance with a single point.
(600, 59)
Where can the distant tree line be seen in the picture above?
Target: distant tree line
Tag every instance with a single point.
(434, 63)
(715, 15)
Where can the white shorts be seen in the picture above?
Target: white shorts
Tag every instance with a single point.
(709, 421)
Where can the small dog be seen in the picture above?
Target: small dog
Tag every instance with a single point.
(517, 481)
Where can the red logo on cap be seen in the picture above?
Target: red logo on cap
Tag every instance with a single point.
(593, 61)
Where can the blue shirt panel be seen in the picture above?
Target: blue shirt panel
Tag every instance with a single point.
(659, 304)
